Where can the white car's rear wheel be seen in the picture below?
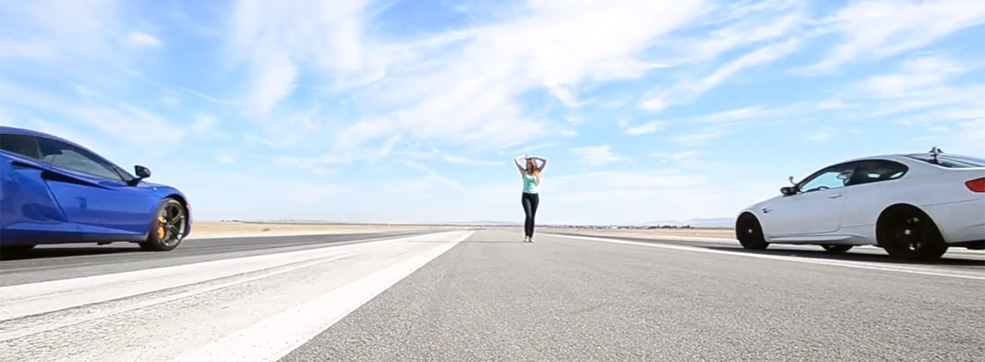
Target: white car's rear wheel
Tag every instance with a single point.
(908, 233)
(750, 233)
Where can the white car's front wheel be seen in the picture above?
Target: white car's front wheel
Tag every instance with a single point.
(750, 233)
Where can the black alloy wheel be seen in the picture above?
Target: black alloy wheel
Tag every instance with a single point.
(168, 227)
(750, 233)
(907, 233)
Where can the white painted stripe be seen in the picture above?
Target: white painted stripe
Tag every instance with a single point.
(278, 335)
(28, 326)
(195, 236)
(733, 241)
(828, 262)
(36, 298)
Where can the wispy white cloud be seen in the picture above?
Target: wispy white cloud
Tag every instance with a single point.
(921, 84)
(675, 156)
(917, 76)
(700, 137)
(85, 40)
(467, 161)
(143, 39)
(824, 134)
(277, 39)
(646, 128)
(113, 117)
(596, 155)
(742, 23)
(432, 180)
(757, 57)
(686, 91)
(207, 126)
(225, 157)
(875, 29)
(470, 95)
(35, 51)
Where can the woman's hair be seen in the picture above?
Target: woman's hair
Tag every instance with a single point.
(533, 170)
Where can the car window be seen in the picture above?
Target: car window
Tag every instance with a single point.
(878, 170)
(951, 161)
(830, 178)
(68, 156)
(19, 144)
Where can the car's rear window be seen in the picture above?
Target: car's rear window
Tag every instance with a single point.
(952, 161)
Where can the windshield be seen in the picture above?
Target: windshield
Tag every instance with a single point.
(952, 161)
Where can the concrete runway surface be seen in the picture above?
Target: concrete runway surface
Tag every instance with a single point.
(483, 295)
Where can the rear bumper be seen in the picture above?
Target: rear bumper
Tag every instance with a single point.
(959, 221)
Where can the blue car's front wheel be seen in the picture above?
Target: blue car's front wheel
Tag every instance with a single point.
(168, 227)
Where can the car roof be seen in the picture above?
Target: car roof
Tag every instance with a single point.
(33, 133)
(30, 132)
(901, 156)
(890, 156)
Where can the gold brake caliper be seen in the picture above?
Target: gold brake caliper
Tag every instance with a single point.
(160, 226)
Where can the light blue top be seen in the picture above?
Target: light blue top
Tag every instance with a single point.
(529, 183)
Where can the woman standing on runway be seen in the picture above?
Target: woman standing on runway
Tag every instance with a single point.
(530, 198)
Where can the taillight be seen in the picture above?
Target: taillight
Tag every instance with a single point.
(976, 185)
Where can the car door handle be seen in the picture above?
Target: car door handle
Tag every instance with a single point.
(835, 196)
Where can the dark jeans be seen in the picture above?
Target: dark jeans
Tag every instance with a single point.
(530, 202)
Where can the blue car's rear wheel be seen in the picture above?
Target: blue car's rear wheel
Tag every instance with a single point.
(168, 227)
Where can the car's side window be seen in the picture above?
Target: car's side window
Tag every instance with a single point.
(67, 156)
(19, 144)
(878, 170)
(830, 178)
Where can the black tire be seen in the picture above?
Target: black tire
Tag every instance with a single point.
(905, 232)
(837, 249)
(750, 233)
(17, 248)
(168, 228)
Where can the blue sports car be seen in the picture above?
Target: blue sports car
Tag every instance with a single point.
(54, 191)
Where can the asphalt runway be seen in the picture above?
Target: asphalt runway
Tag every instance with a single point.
(483, 295)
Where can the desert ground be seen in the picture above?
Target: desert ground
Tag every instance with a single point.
(206, 228)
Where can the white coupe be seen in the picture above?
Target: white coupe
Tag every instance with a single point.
(914, 206)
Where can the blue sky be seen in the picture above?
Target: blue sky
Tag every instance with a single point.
(411, 111)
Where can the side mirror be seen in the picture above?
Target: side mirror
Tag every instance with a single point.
(788, 190)
(141, 171)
